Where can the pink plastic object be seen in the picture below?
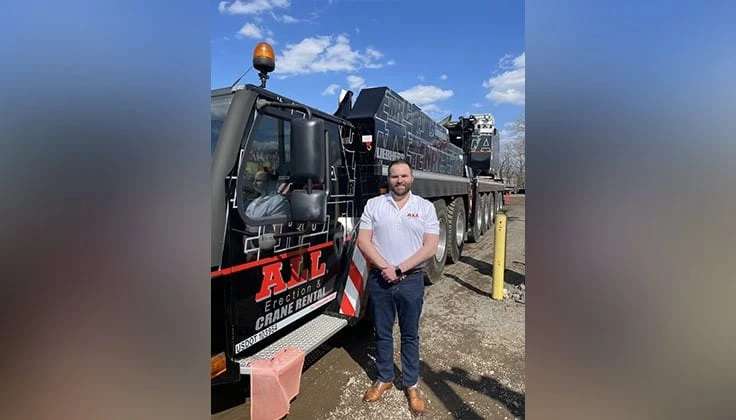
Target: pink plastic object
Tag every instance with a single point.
(274, 382)
(289, 363)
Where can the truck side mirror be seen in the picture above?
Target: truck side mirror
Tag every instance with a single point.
(308, 150)
(308, 171)
(308, 207)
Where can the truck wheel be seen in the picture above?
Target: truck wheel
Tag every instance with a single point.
(475, 227)
(484, 214)
(493, 205)
(488, 214)
(455, 230)
(436, 265)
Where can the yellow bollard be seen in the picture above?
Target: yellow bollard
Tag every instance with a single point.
(499, 256)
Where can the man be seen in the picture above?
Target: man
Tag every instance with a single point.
(399, 232)
(270, 202)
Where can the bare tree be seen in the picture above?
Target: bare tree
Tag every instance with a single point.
(519, 148)
(507, 161)
(514, 154)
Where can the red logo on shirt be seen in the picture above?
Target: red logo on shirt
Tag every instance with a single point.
(412, 215)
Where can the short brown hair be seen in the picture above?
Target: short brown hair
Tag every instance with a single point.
(398, 161)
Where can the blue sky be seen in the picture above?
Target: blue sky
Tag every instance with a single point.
(446, 57)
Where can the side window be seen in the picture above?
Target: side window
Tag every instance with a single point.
(218, 112)
(265, 171)
(335, 145)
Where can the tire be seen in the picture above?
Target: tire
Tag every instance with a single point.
(484, 214)
(436, 264)
(475, 228)
(489, 213)
(493, 205)
(455, 230)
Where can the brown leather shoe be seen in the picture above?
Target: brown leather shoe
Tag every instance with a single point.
(376, 390)
(416, 403)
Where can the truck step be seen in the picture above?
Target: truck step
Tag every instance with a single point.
(307, 338)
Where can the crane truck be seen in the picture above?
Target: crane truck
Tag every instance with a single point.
(478, 136)
(295, 277)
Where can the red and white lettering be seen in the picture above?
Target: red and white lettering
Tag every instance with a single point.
(296, 275)
(272, 279)
(317, 269)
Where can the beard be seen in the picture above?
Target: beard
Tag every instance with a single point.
(401, 190)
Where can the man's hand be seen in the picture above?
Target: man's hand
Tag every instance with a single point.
(389, 274)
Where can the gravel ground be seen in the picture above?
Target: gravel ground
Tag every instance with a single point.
(472, 348)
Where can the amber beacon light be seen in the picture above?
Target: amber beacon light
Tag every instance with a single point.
(263, 61)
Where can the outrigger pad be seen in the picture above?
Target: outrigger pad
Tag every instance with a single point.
(274, 383)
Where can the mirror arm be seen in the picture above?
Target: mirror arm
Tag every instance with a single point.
(262, 103)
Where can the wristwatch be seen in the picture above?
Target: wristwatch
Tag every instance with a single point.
(398, 272)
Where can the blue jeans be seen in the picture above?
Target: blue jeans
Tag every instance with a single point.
(404, 298)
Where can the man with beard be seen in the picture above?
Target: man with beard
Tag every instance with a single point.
(399, 232)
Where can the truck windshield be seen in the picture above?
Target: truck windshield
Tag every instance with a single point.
(218, 111)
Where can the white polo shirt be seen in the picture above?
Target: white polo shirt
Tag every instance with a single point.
(399, 234)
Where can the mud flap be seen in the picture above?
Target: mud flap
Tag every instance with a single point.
(231, 374)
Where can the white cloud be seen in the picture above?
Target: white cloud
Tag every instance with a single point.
(390, 62)
(443, 77)
(289, 19)
(520, 61)
(284, 18)
(269, 37)
(330, 90)
(510, 132)
(253, 7)
(357, 30)
(509, 86)
(435, 112)
(420, 77)
(508, 135)
(373, 53)
(356, 82)
(478, 105)
(423, 96)
(251, 31)
(505, 62)
(323, 54)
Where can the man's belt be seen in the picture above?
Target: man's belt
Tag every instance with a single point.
(407, 272)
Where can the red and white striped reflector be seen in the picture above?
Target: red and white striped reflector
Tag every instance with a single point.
(355, 285)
